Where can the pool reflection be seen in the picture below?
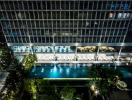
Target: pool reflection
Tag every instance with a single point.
(59, 71)
(68, 71)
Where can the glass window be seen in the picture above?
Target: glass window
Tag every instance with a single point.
(120, 15)
(111, 15)
(39, 39)
(43, 39)
(123, 15)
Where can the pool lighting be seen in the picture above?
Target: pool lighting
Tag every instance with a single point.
(84, 65)
(51, 70)
(54, 69)
(83, 70)
(78, 65)
(42, 70)
(54, 72)
(67, 71)
(60, 70)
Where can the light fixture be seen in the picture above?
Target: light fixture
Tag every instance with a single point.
(76, 44)
(96, 92)
(30, 44)
(99, 44)
(122, 44)
(93, 87)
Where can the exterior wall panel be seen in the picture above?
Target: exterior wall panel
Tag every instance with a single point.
(65, 21)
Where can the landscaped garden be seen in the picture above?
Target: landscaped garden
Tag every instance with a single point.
(20, 86)
(14, 80)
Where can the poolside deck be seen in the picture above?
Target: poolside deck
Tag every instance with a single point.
(79, 58)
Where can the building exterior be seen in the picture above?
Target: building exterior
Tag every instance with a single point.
(66, 22)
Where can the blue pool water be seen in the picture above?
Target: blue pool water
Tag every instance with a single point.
(126, 73)
(67, 71)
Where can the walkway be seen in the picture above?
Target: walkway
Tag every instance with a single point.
(77, 58)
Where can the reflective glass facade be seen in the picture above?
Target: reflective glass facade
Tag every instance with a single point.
(65, 21)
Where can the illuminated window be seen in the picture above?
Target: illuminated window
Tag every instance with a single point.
(123, 15)
(111, 15)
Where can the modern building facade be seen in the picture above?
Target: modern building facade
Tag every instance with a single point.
(66, 22)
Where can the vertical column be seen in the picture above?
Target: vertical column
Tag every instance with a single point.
(15, 22)
(26, 25)
(53, 33)
(20, 17)
(69, 20)
(114, 30)
(3, 30)
(93, 20)
(85, 26)
(99, 28)
(106, 26)
(78, 21)
(95, 23)
(119, 27)
(124, 37)
(47, 24)
(82, 19)
(30, 24)
(98, 22)
(60, 16)
(10, 33)
(37, 26)
(74, 28)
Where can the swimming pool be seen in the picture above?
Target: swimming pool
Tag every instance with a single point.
(68, 71)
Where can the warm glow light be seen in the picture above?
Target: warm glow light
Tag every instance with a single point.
(96, 92)
(92, 87)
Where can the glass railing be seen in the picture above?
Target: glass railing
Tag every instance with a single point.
(42, 49)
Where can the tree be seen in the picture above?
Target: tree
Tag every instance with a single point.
(106, 75)
(30, 87)
(6, 56)
(14, 80)
(29, 61)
